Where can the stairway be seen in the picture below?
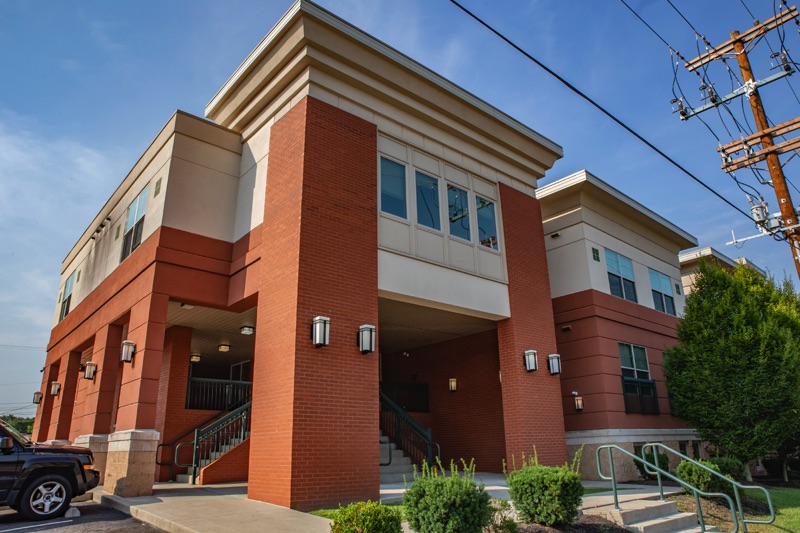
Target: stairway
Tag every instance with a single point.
(213, 456)
(650, 516)
(400, 469)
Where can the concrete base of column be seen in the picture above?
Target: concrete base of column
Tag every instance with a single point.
(99, 446)
(130, 462)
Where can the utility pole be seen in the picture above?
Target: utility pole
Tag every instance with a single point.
(769, 151)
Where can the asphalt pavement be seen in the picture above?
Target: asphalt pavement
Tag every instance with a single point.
(94, 518)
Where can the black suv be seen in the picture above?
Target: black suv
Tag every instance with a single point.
(39, 480)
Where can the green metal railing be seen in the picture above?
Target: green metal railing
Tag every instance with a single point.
(409, 435)
(228, 431)
(653, 469)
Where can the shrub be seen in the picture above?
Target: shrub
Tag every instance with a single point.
(729, 466)
(441, 502)
(502, 519)
(701, 478)
(652, 457)
(546, 495)
(366, 517)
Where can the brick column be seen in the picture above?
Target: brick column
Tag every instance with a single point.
(64, 403)
(315, 411)
(132, 447)
(45, 409)
(532, 409)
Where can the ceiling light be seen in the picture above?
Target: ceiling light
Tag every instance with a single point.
(247, 330)
(224, 348)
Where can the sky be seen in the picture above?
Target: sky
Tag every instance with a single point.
(86, 86)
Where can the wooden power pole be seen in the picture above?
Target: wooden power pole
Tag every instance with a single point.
(769, 151)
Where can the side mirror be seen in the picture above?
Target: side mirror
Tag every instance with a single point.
(6, 444)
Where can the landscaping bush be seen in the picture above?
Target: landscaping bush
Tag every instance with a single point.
(701, 478)
(662, 462)
(502, 519)
(366, 517)
(729, 466)
(446, 502)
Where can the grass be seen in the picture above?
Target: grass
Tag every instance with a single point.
(587, 491)
(330, 513)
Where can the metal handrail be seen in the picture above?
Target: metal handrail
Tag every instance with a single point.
(171, 464)
(388, 447)
(402, 417)
(736, 485)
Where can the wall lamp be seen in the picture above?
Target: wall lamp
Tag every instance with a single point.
(554, 363)
(128, 351)
(366, 338)
(530, 360)
(320, 331)
(453, 384)
(89, 370)
(578, 401)
(37, 397)
(55, 388)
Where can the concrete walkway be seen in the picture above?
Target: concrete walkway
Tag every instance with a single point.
(224, 508)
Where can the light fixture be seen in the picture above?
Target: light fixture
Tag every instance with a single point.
(530, 360)
(128, 351)
(89, 370)
(37, 397)
(187, 306)
(366, 338)
(224, 348)
(554, 363)
(320, 331)
(195, 358)
(453, 385)
(247, 330)
(55, 388)
(578, 401)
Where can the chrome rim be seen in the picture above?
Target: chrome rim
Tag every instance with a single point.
(47, 497)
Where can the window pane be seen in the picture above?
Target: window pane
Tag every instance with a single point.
(658, 300)
(428, 201)
(487, 226)
(612, 262)
(628, 373)
(640, 357)
(625, 355)
(642, 374)
(655, 280)
(669, 304)
(626, 267)
(141, 203)
(458, 212)
(615, 284)
(630, 290)
(69, 284)
(393, 188)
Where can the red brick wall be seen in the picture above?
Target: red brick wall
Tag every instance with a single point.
(233, 466)
(100, 392)
(65, 401)
(467, 423)
(315, 411)
(589, 326)
(532, 409)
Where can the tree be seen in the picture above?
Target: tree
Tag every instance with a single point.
(23, 425)
(735, 374)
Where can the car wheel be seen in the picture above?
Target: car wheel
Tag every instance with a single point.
(46, 496)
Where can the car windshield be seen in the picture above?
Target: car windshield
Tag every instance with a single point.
(16, 435)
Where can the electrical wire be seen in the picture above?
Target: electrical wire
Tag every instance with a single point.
(601, 108)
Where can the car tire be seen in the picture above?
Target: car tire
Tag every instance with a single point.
(46, 496)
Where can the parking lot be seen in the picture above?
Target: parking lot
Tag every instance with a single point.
(93, 518)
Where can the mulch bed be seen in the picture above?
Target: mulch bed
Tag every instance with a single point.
(716, 511)
(585, 524)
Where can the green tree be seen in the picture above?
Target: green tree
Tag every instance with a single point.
(23, 425)
(735, 374)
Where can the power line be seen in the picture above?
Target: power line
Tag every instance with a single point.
(601, 108)
(19, 347)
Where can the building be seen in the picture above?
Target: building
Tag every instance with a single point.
(336, 185)
(616, 287)
(690, 264)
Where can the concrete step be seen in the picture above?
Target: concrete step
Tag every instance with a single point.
(642, 510)
(397, 458)
(183, 478)
(665, 524)
(709, 529)
(397, 468)
(397, 478)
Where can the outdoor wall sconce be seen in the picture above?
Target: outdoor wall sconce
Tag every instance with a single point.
(366, 338)
(55, 388)
(554, 363)
(89, 370)
(320, 331)
(128, 350)
(530, 360)
(224, 348)
(37, 397)
(195, 358)
(453, 385)
(247, 330)
(578, 401)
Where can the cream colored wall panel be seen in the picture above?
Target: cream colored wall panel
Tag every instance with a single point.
(568, 269)
(392, 148)
(462, 255)
(206, 155)
(250, 198)
(434, 147)
(426, 163)
(355, 109)
(201, 201)
(487, 190)
(387, 125)
(413, 280)
(456, 176)
(413, 137)
(394, 234)
(254, 149)
(429, 245)
(488, 172)
(490, 264)
(323, 95)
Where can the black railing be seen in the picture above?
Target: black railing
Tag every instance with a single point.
(217, 394)
(409, 435)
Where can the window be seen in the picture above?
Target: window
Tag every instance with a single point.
(596, 254)
(620, 276)
(67, 298)
(662, 292)
(458, 212)
(637, 387)
(428, 201)
(487, 223)
(393, 188)
(134, 224)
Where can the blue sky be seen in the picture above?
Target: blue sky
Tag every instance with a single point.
(88, 84)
